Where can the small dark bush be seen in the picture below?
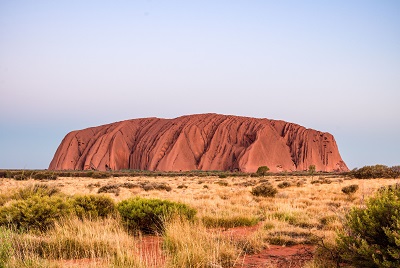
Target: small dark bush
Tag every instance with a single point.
(93, 206)
(93, 185)
(394, 188)
(222, 183)
(148, 215)
(222, 176)
(109, 188)
(247, 183)
(300, 183)
(21, 177)
(156, 186)
(100, 175)
(321, 180)
(36, 212)
(325, 220)
(44, 176)
(371, 234)
(129, 185)
(351, 189)
(264, 180)
(284, 184)
(265, 190)
(182, 186)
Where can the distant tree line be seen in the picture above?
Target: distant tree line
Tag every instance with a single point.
(377, 171)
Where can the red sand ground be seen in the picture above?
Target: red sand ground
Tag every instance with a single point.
(278, 256)
(274, 256)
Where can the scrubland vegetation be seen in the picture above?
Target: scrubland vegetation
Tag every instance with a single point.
(105, 221)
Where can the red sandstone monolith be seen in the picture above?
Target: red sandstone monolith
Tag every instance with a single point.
(198, 142)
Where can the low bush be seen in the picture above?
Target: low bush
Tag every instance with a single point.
(222, 183)
(371, 235)
(109, 188)
(93, 206)
(156, 186)
(100, 175)
(44, 176)
(284, 184)
(20, 177)
(247, 183)
(265, 190)
(351, 189)
(36, 212)
(149, 215)
(129, 185)
(321, 180)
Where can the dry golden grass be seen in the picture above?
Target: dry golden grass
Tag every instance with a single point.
(192, 245)
(309, 210)
(76, 243)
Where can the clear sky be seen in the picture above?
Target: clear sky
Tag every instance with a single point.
(333, 66)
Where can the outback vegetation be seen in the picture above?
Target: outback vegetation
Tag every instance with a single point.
(198, 219)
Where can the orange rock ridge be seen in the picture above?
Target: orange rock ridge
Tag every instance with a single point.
(198, 142)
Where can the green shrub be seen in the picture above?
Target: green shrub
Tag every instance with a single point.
(371, 235)
(265, 190)
(148, 215)
(351, 189)
(93, 206)
(36, 212)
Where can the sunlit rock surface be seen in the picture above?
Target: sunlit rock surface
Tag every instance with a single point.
(198, 142)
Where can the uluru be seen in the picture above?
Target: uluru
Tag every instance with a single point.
(198, 142)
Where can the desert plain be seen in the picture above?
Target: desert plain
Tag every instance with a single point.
(232, 226)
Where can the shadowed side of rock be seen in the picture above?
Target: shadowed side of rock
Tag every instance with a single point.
(198, 142)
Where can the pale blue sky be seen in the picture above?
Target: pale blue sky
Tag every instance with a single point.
(329, 65)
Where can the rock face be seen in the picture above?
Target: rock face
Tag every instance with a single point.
(198, 142)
